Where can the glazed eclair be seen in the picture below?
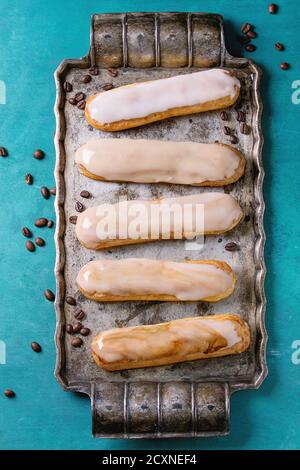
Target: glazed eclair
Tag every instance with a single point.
(142, 103)
(156, 161)
(129, 222)
(145, 279)
(176, 341)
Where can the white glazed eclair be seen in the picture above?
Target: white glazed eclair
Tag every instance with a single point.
(142, 103)
(130, 222)
(186, 339)
(154, 161)
(146, 279)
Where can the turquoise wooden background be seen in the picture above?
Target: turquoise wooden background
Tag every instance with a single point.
(35, 35)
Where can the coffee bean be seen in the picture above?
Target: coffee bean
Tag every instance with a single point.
(79, 96)
(9, 393)
(246, 27)
(241, 116)
(107, 86)
(68, 87)
(36, 347)
(45, 192)
(49, 295)
(53, 191)
(86, 79)
(69, 329)
(224, 116)
(81, 104)
(28, 178)
(227, 130)
(232, 246)
(41, 222)
(70, 300)
(72, 101)
(73, 219)
(112, 72)
(79, 207)
(279, 46)
(26, 232)
(77, 342)
(233, 139)
(79, 314)
(50, 223)
(94, 71)
(3, 152)
(30, 246)
(85, 331)
(77, 327)
(251, 35)
(244, 40)
(284, 66)
(85, 194)
(244, 128)
(250, 47)
(39, 154)
(273, 8)
(220, 240)
(40, 241)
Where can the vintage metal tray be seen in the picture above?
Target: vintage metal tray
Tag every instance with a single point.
(193, 398)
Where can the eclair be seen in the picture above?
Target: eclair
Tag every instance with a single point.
(137, 221)
(142, 103)
(176, 341)
(157, 161)
(145, 279)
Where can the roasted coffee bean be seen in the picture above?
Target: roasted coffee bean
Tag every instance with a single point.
(72, 101)
(112, 72)
(9, 393)
(81, 104)
(50, 223)
(40, 241)
(36, 347)
(85, 331)
(86, 79)
(233, 139)
(41, 222)
(279, 46)
(68, 87)
(79, 314)
(79, 207)
(3, 152)
(284, 66)
(26, 232)
(70, 300)
(251, 35)
(220, 240)
(39, 154)
(28, 178)
(85, 194)
(246, 27)
(224, 116)
(30, 246)
(53, 191)
(69, 329)
(244, 40)
(49, 295)
(273, 8)
(227, 130)
(244, 128)
(79, 96)
(107, 86)
(232, 246)
(241, 116)
(77, 327)
(77, 342)
(45, 192)
(73, 219)
(94, 71)
(250, 47)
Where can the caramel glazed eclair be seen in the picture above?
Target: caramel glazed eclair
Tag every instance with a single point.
(145, 279)
(142, 103)
(156, 161)
(176, 341)
(219, 213)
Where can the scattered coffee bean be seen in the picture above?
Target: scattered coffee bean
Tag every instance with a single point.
(9, 393)
(49, 295)
(284, 66)
(241, 116)
(220, 240)
(94, 71)
(28, 178)
(246, 27)
(45, 192)
(86, 79)
(26, 232)
(77, 327)
(39, 154)
(273, 8)
(112, 72)
(244, 40)
(227, 130)
(250, 47)
(77, 342)
(70, 300)
(69, 329)
(233, 139)
(224, 116)
(85, 194)
(247, 218)
(41, 222)
(50, 223)
(85, 331)
(72, 101)
(79, 96)
(73, 219)
(244, 128)
(3, 152)
(279, 46)
(30, 246)
(40, 241)
(81, 104)
(107, 86)
(232, 246)
(68, 87)
(251, 35)
(36, 347)
(53, 191)
(79, 207)
(79, 314)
